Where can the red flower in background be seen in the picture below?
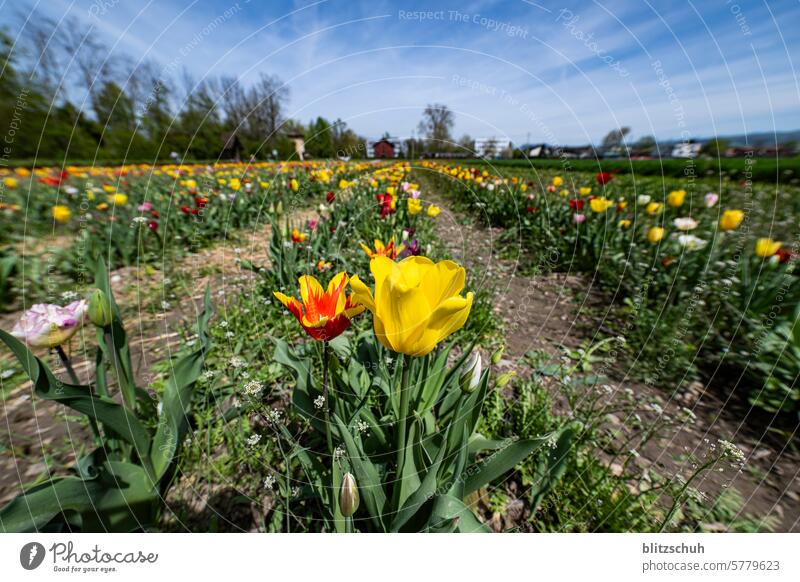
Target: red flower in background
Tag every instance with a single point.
(784, 255)
(576, 204)
(604, 178)
(152, 225)
(330, 197)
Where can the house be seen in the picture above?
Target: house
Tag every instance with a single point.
(686, 149)
(299, 141)
(231, 147)
(491, 147)
(386, 147)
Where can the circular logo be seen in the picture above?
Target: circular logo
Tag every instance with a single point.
(31, 555)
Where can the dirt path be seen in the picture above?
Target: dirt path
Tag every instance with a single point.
(545, 312)
(36, 435)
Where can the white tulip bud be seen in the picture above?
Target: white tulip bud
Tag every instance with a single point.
(348, 495)
(471, 373)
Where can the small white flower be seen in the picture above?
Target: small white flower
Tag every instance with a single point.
(362, 426)
(319, 401)
(237, 362)
(253, 388)
(274, 415)
(165, 305)
(253, 440)
(691, 242)
(269, 482)
(643, 199)
(69, 295)
(223, 323)
(230, 334)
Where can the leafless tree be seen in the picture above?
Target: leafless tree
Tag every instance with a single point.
(437, 122)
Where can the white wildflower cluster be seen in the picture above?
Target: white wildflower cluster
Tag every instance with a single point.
(361, 426)
(269, 482)
(139, 220)
(338, 453)
(253, 440)
(223, 324)
(274, 415)
(319, 401)
(731, 452)
(69, 295)
(253, 388)
(208, 375)
(237, 362)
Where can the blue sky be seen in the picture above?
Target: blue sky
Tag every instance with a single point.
(563, 72)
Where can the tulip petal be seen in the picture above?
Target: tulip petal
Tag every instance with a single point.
(362, 295)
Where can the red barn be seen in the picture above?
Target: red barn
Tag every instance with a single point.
(383, 149)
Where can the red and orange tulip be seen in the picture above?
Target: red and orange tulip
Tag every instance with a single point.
(382, 250)
(323, 313)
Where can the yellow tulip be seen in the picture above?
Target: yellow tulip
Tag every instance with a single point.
(191, 184)
(766, 247)
(731, 219)
(676, 197)
(600, 204)
(294, 185)
(235, 184)
(655, 234)
(585, 190)
(61, 213)
(557, 181)
(624, 223)
(10, 182)
(434, 211)
(414, 206)
(416, 303)
(654, 208)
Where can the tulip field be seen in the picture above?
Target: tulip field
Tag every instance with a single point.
(296, 347)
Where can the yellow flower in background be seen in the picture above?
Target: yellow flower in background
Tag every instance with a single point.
(564, 193)
(390, 190)
(624, 223)
(10, 182)
(191, 184)
(264, 185)
(416, 303)
(24, 172)
(622, 205)
(343, 184)
(102, 206)
(654, 208)
(766, 247)
(655, 234)
(414, 206)
(600, 204)
(434, 211)
(557, 181)
(676, 198)
(523, 187)
(118, 199)
(584, 190)
(61, 213)
(235, 184)
(731, 219)
(109, 188)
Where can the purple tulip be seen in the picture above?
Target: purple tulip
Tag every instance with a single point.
(47, 326)
(411, 249)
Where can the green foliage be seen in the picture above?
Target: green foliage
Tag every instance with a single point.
(119, 485)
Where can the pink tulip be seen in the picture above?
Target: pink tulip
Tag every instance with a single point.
(312, 224)
(47, 326)
(711, 199)
(145, 207)
(578, 218)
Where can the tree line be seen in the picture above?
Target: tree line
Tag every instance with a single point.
(65, 97)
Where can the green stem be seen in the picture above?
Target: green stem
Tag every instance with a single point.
(348, 525)
(405, 393)
(74, 378)
(328, 437)
(67, 365)
(680, 493)
(128, 394)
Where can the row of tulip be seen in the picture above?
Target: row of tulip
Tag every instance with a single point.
(138, 214)
(666, 255)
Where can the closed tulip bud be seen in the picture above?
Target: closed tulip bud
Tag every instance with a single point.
(99, 309)
(348, 495)
(279, 208)
(471, 373)
(498, 355)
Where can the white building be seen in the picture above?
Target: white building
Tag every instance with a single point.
(491, 147)
(686, 149)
